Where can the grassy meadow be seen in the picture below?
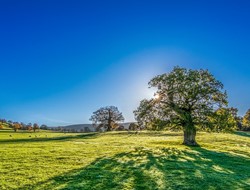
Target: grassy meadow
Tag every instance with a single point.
(122, 160)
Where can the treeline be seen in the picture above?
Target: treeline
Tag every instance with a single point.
(21, 126)
(245, 122)
(98, 128)
(68, 130)
(223, 119)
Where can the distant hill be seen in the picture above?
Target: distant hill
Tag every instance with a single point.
(88, 127)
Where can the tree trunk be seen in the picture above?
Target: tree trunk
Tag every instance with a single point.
(189, 135)
(109, 127)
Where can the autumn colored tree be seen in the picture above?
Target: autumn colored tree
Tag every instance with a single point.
(29, 127)
(16, 126)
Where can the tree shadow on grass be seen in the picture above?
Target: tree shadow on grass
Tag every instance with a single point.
(242, 133)
(143, 133)
(45, 139)
(163, 168)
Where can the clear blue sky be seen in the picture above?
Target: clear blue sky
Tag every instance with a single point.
(62, 60)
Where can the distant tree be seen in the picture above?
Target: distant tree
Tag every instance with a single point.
(107, 116)
(23, 126)
(120, 128)
(59, 128)
(16, 126)
(246, 121)
(239, 123)
(184, 98)
(223, 119)
(44, 127)
(73, 130)
(29, 127)
(133, 126)
(82, 131)
(86, 129)
(143, 114)
(238, 119)
(2, 122)
(35, 127)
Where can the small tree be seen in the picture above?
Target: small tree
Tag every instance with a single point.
(29, 127)
(246, 121)
(16, 126)
(133, 126)
(107, 117)
(35, 127)
(23, 126)
(44, 127)
(2, 122)
(184, 98)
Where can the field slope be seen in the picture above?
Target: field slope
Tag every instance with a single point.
(122, 160)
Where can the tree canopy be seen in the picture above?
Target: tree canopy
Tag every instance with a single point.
(224, 119)
(107, 117)
(35, 127)
(246, 121)
(185, 98)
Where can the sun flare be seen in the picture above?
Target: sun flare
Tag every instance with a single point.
(156, 96)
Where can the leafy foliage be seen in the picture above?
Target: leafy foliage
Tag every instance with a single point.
(44, 127)
(223, 119)
(246, 121)
(16, 126)
(184, 98)
(35, 127)
(107, 117)
(157, 125)
(133, 126)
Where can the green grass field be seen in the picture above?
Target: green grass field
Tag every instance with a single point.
(118, 160)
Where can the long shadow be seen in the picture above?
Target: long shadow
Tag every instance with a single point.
(167, 168)
(144, 133)
(243, 134)
(45, 139)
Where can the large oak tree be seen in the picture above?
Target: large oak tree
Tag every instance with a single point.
(107, 117)
(185, 98)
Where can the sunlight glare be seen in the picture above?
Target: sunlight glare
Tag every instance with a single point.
(156, 96)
